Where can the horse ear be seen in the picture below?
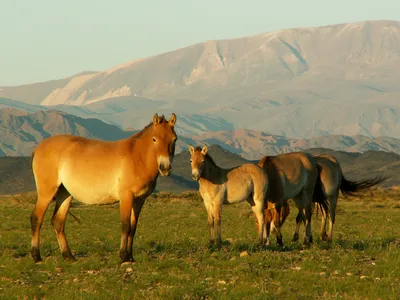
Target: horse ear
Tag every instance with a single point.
(155, 120)
(191, 149)
(204, 150)
(172, 120)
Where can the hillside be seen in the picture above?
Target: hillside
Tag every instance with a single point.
(17, 175)
(281, 82)
(21, 131)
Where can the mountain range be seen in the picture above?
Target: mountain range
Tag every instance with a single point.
(17, 177)
(21, 131)
(297, 83)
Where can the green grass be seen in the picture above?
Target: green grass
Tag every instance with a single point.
(175, 262)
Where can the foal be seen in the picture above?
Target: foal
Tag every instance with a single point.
(218, 186)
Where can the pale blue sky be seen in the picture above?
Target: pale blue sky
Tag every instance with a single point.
(49, 39)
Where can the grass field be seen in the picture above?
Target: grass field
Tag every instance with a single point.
(175, 262)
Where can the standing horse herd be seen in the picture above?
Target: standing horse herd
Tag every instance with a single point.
(101, 172)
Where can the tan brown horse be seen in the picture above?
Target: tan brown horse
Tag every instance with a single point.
(218, 186)
(290, 175)
(330, 180)
(100, 172)
(274, 212)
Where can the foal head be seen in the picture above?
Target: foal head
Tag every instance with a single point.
(164, 138)
(197, 159)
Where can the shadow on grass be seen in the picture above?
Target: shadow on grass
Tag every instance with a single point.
(361, 245)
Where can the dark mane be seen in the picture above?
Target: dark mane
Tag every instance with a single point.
(149, 126)
(207, 156)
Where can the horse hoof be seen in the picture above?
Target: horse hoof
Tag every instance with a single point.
(125, 263)
(295, 238)
(70, 259)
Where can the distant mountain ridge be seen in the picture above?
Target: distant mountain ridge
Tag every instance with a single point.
(21, 131)
(17, 177)
(340, 79)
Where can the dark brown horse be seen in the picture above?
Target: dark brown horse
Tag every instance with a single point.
(100, 172)
(290, 175)
(329, 182)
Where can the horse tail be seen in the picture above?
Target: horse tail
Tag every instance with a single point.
(75, 217)
(352, 188)
(319, 196)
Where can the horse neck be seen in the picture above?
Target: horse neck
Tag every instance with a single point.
(144, 154)
(212, 172)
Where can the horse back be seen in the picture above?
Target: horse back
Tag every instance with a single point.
(250, 178)
(289, 174)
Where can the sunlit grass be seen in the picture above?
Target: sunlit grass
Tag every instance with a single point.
(174, 260)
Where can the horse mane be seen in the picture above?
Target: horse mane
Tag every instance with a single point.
(161, 119)
(207, 156)
(267, 163)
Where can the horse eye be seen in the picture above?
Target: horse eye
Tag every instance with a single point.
(191, 160)
(154, 139)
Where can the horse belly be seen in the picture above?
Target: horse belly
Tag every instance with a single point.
(238, 193)
(293, 189)
(90, 190)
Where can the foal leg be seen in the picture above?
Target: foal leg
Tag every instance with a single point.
(217, 223)
(268, 220)
(257, 205)
(125, 207)
(210, 219)
(136, 209)
(304, 204)
(275, 224)
(63, 201)
(45, 195)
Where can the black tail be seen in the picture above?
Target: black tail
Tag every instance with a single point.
(319, 196)
(352, 188)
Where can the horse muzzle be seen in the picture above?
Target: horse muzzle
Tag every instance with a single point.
(165, 170)
(196, 176)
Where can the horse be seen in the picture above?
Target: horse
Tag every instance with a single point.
(219, 186)
(100, 172)
(330, 180)
(283, 210)
(290, 175)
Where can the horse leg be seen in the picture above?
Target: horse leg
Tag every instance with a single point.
(275, 225)
(63, 201)
(323, 223)
(304, 204)
(125, 206)
(136, 209)
(217, 223)
(268, 219)
(257, 205)
(299, 220)
(44, 198)
(332, 214)
(210, 220)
